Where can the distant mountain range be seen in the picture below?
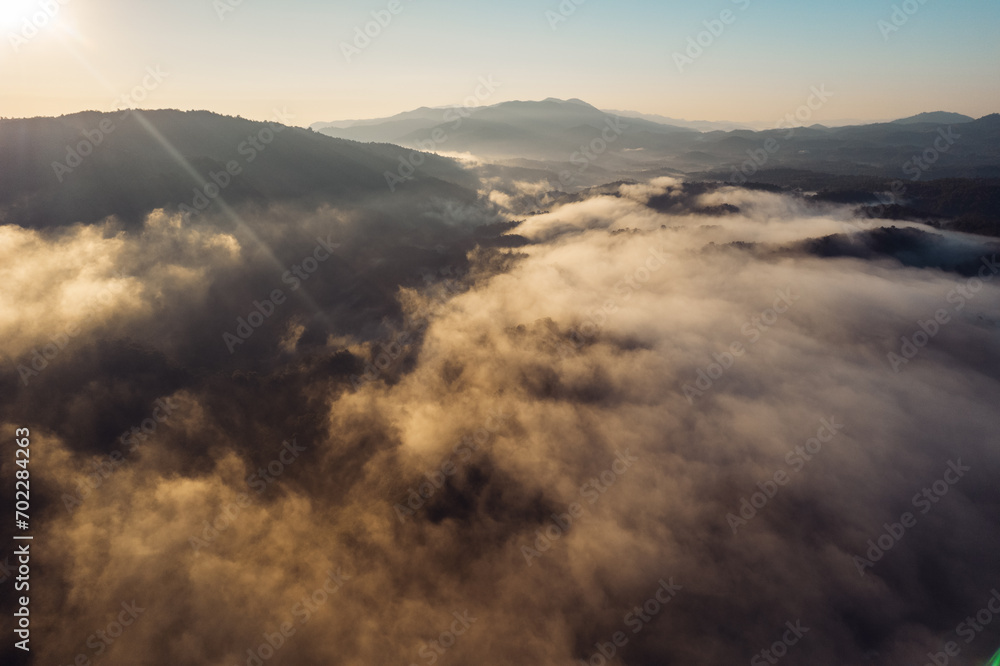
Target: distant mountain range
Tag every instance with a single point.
(87, 166)
(571, 135)
(550, 129)
(726, 125)
(419, 119)
(939, 117)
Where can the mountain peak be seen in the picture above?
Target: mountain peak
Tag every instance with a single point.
(940, 117)
(574, 100)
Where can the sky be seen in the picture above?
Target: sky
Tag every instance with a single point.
(758, 60)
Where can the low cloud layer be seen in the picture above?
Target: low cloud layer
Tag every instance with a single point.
(648, 434)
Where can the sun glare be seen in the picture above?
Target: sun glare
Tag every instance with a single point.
(22, 20)
(13, 13)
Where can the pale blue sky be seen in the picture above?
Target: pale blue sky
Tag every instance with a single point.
(268, 54)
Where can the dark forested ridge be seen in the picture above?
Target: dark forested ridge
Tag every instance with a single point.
(87, 166)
